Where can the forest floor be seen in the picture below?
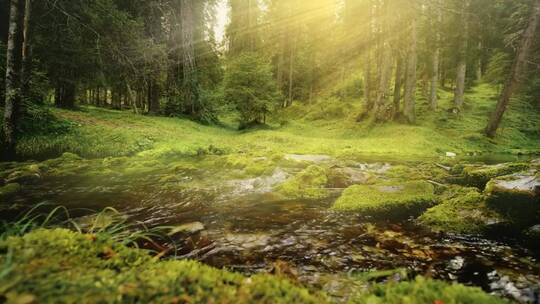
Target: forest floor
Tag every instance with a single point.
(326, 127)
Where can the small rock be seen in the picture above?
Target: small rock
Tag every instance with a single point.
(451, 154)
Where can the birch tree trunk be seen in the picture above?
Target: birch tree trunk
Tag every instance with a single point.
(516, 71)
(13, 79)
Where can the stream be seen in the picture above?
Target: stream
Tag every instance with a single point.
(242, 225)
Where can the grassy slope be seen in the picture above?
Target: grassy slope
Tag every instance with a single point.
(327, 127)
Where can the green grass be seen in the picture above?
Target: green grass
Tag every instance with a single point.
(327, 127)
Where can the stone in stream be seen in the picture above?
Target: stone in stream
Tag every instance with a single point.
(27, 175)
(247, 241)
(345, 177)
(479, 175)
(516, 196)
(462, 210)
(387, 199)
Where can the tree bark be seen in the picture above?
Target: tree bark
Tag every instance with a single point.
(461, 72)
(26, 72)
(409, 107)
(518, 66)
(398, 83)
(435, 59)
(13, 79)
(190, 82)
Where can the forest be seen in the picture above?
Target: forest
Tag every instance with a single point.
(270, 151)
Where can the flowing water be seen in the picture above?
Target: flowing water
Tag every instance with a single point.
(240, 224)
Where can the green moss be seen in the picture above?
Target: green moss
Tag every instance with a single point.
(519, 205)
(309, 183)
(464, 212)
(386, 197)
(60, 266)
(425, 291)
(8, 191)
(480, 176)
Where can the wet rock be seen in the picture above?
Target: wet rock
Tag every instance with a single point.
(516, 196)
(464, 211)
(391, 199)
(308, 158)
(260, 184)
(479, 176)
(8, 191)
(27, 175)
(309, 183)
(345, 177)
(189, 228)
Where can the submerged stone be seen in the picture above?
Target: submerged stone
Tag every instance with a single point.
(401, 198)
(465, 211)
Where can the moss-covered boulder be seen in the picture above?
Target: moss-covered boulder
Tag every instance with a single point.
(8, 191)
(425, 291)
(60, 266)
(479, 176)
(387, 198)
(309, 183)
(464, 211)
(517, 196)
(30, 174)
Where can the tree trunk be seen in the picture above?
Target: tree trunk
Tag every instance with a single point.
(13, 80)
(190, 82)
(381, 108)
(518, 66)
(461, 72)
(409, 107)
(26, 72)
(153, 97)
(435, 59)
(291, 74)
(398, 83)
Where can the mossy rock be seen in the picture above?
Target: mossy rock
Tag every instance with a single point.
(516, 196)
(27, 175)
(387, 198)
(465, 211)
(8, 191)
(479, 176)
(309, 183)
(60, 266)
(425, 291)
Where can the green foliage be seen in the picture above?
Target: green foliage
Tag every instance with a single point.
(249, 86)
(65, 267)
(387, 198)
(309, 183)
(425, 291)
(498, 68)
